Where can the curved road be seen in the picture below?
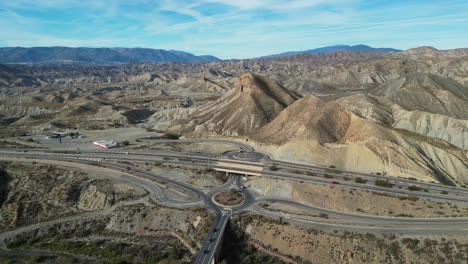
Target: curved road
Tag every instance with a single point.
(195, 196)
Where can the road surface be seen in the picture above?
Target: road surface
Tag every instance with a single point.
(156, 186)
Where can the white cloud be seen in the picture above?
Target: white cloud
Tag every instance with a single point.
(271, 4)
(244, 28)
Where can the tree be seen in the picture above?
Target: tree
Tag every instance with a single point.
(5, 179)
(414, 188)
(383, 183)
(273, 168)
(360, 180)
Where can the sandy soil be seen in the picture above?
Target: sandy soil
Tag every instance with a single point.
(230, 198)
(117, 134)
(353, 201)
(202, 147)
(322, 247)
(195, 176)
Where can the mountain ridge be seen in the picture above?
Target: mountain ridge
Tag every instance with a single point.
(252, 102)
(334, 48)
(84, 55)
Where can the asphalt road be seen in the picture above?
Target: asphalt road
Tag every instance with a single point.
(208, 161)
(213, 239)
(378, 223)
(195, 196)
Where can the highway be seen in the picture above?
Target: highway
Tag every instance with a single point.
(209, 161)
(379, 224)
(190, 196)
(282, 165)
(213, 239)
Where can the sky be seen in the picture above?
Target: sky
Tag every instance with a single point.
(234, 29)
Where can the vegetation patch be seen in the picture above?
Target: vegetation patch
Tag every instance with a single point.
(382, 183)
(273, 168)
(236, 248)
(5, 179)
(360, 180)
(108, 251)
(12, 144)
(230, 198)
(414, 188)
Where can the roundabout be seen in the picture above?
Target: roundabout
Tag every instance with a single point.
(248, 156)
(229, 198)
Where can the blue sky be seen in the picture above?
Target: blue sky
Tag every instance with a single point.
(234, 29)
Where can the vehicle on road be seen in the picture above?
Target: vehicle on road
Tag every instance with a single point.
(335, 182)
(205, 251)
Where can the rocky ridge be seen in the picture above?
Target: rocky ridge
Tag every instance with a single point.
(251, 103)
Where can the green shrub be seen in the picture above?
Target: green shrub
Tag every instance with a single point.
(322, 215)
(5, 179)
(360, 180)
(414, 188)
(382, 183)
(273, 168)
(410, 243)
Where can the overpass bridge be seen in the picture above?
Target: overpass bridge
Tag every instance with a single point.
(248, 168)
(212, 245)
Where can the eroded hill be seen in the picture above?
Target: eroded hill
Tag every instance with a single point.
(400, 113)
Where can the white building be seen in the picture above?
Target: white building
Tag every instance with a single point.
(107, 144)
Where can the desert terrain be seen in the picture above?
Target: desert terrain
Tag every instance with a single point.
(343, 157)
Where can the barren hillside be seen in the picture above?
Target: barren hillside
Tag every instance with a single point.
(402, 113)
(423, 103)
(251, 103)
(318, 132)
(427, 92)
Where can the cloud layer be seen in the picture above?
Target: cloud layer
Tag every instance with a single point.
(233, 28)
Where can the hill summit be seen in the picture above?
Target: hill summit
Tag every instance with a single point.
(251, 103)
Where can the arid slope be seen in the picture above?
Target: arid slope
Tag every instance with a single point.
(251, 103)
(314, 131)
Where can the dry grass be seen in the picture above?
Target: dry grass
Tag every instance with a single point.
(229, 198)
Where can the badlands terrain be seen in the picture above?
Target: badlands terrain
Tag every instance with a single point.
(402, 114)
(398, 115)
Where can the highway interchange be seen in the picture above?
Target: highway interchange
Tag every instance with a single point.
(253, 163)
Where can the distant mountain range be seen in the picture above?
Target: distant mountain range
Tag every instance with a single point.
(66, 55)
(99, 56)
(333, 49)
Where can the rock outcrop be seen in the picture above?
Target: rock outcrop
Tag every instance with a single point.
(318, 132)
(251, 103)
